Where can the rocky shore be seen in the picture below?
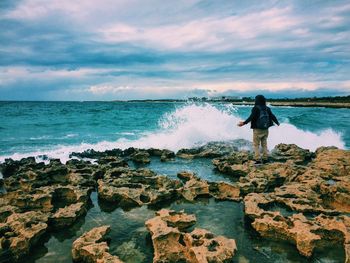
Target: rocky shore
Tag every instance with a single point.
(300, 197)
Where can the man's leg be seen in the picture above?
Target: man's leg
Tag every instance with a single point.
(256, 142)
(264, 136)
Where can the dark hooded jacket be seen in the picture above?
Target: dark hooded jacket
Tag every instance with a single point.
(260, 103)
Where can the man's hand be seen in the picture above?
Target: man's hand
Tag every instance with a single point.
(240, 124)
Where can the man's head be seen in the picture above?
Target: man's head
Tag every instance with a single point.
(260, 100)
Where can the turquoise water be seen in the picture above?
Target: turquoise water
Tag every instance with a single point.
(201, 166)
(58, 128)
(130, 239)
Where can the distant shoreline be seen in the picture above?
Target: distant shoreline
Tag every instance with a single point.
(271, 102)
(326, 102)
(301, 104)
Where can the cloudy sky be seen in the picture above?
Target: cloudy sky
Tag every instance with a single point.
(116, 49)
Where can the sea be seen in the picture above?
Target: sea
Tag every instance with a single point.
(56, 129)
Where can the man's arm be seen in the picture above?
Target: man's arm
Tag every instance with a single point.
(253, 113)
(252, 116)
(249, 119)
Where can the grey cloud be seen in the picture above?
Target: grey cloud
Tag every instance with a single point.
(319, 52)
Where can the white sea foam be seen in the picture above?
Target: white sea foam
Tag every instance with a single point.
(125, 133)
(70, 135)
(40, 137)
(192, 125)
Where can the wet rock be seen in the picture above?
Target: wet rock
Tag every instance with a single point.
(92, 247)
(38, 199)
(92, 154)
(142, 157)
(116, 172)
(70, 194)
(317, 195)
(129, 151)
(33, 175)
(78, 164)
(324, 148)
(305, 233)
(47, 198)
(284, 152)
(204, 247)
(67, 215)
(56, 171)
(236, 164)
(269, 176)
(327, 176)
(166, 236)
(81, 179)
(23, 231)
(254, 178)
(167, 156)
(172, 244)
(195, 187)
(224, 191)
(209, 150)
(320, 187)
(185, 176)
(253, 203)
(155, 152)
(83, 173)
(332, 163)
(301, 197)
(112, 161)
(137, 187)
(6, 211)
(11, 167)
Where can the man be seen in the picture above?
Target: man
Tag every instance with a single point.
(261, 119)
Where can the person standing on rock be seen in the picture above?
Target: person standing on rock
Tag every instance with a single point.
(261, 119)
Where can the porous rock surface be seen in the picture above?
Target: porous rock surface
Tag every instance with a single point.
(129, 187)
(194, 187)
(172, 243)
(318, 197)
(37, 197)
(314, 189)
(21, 231)
(92, 247)
(209, 150)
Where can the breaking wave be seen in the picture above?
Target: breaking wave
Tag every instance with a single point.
(192, 125)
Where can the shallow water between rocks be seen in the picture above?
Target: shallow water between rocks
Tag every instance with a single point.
(131, 241)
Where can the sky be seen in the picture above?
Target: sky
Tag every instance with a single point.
(156, 49)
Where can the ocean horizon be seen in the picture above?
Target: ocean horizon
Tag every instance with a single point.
(56, 129)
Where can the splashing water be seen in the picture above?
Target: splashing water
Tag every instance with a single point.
(191, 125)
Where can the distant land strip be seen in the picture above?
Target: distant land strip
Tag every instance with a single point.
(302, 104)
(328, 102)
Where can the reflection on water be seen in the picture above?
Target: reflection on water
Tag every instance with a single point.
(131, 241)
(201, 166)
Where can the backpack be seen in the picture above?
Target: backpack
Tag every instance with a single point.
(263, 122)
